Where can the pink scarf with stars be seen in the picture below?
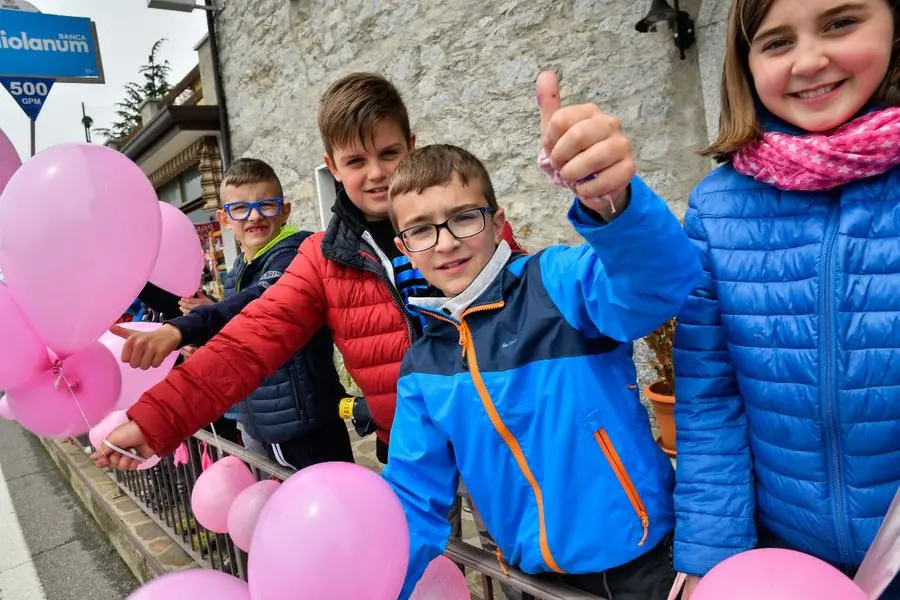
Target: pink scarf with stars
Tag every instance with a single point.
(866, 146)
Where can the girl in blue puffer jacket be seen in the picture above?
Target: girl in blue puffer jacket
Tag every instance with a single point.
(787, 356)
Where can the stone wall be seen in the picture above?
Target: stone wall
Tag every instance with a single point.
(711, 25)
(467, 72)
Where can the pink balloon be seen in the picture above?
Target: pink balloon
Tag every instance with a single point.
(776, 574)
(5, 410)
(215, 491)
(136, 381)
(180, 262)
(442, 580)
(94, 249)
(9, 160)
(44, 405)
(193, 584)
(22, 353)
(245, 509)
(321, 514)
(101, 431)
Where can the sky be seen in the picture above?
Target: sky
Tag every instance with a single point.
(126, 30)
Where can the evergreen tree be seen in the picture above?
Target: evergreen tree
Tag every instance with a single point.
(155, 85)
(156, 74)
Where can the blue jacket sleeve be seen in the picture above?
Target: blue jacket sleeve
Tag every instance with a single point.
(714, 499)
(632, 275)
(422, 471)
(204, 322)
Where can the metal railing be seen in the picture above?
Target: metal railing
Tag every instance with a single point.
(164, 493)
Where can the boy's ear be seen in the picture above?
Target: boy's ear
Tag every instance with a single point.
(412, 142)
(499, 222)
(399, 243)
(222, 218)
(331, 166)
(285, 212)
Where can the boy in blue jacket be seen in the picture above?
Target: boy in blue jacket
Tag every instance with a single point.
(520, 384)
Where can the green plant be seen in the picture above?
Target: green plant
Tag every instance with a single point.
(661, 342)
(200, 540)
(155, 85)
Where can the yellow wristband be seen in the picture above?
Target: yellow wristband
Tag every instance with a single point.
(345, 408)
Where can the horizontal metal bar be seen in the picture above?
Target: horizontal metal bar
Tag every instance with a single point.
(458, 551)
(260, 462)
(485, 562)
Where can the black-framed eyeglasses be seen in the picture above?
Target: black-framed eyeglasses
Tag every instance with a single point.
(241, 210)
(464, 224)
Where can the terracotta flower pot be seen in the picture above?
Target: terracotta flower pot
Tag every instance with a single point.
(664, 407)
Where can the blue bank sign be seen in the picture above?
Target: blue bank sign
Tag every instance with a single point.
(49, 46)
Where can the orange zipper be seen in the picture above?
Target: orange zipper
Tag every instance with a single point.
(465, 339)
(502, 563)
(624, 480)
(468, 352)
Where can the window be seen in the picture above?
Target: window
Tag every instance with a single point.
(326, 193)
(192, 188)
(171, 193)
(183, 189)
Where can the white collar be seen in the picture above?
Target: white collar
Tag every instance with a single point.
(456, 306)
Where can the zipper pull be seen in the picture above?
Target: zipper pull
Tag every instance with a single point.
(464, 342)
(645, 523)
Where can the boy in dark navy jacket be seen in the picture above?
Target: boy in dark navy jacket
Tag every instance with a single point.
(294, 412)
(521, 382)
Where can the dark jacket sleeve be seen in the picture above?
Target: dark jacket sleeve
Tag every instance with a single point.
(204, 322)
(163, 302)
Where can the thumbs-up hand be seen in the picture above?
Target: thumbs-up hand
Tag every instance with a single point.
(584, 149)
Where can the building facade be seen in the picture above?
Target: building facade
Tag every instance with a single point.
(178, 146)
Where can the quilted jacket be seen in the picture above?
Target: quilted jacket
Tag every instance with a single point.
(787, 364)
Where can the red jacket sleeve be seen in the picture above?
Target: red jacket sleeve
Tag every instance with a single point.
(510, 238)
(251, 347)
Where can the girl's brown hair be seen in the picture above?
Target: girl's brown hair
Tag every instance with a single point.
(738, 122)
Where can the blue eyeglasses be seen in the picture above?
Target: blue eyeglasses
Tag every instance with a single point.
(241, 210)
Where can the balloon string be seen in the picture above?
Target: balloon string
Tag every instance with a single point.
(61, 376)
(215, 439)
(57, 368)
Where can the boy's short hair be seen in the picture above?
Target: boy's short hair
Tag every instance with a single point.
(354, 104)
(435, 165)
(250, 170)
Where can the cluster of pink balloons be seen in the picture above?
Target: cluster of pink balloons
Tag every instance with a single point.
(227, 499)
(333, 530)
(81, 234)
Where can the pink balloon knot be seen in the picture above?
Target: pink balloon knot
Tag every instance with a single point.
(205, 460)
(557, 178)
(181, 456)
(57, 368)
